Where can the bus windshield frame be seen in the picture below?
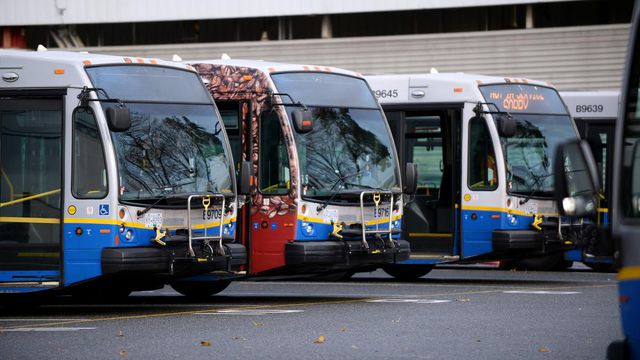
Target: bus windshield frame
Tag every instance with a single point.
(350, 148)
(176, 144)
(542, 124)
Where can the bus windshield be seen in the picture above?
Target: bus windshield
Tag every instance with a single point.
(350, 147)
(176, 143)
(542, 123)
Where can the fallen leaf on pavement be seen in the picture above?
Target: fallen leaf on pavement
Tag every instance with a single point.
(343, 329)
(205, 343)
(258, 324)
(544, 350)
(319, 340)
(123, 353)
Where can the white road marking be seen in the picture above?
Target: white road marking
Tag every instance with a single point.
(250, 312)
(47, 329)
(409, 301)
(541, 292)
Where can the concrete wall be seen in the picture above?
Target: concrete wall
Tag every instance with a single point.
(586, 57)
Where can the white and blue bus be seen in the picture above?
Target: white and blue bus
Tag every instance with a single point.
(484, 148)
(116, 175)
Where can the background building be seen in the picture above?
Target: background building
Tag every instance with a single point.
(577, 44)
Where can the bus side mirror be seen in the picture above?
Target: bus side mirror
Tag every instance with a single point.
(302, 120)
(506, 125)
(118, 118)
(576, 180)
(246, 178)
(411, 179)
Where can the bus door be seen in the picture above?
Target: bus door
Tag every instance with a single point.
(235, 115)
(429, 138)
(481, 203)
(31, 173)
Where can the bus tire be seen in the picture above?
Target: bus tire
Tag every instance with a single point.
(199, 289)
(407, 272)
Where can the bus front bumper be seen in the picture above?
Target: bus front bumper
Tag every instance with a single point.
(334, 254)
(164, 261)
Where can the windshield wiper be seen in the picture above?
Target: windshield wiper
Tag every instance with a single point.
(338, 180)
(163, 196)
(537, 189)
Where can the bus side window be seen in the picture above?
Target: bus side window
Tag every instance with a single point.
(482, 170)
(89, 170)
(274, 176)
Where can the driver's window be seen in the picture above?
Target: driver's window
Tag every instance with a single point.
(482, 169)
(89, 170)
(274, 175)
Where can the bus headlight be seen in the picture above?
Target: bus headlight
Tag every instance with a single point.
(395, 224)
(129, 235)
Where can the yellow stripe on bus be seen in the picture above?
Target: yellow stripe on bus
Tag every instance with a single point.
(430, 235)
(505, 210)
(38, 254)
(29, 220)
(629, 273)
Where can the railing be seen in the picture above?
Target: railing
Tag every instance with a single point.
(377, 199)
(206, 202)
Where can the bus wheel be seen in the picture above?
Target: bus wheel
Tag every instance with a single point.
(199, 289)
(407, 272)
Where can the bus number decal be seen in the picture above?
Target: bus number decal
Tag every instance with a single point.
(384, 94)
(211, 214)
(381, 213)
(589, 108)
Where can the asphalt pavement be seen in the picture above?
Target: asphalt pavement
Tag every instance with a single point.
(451, 313)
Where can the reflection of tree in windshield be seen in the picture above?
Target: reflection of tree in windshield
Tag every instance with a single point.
(528, 158)
(338, 147)
(160, 152)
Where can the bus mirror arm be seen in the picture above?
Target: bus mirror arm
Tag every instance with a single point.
(504, 121)
(118, 116)
(411, 179)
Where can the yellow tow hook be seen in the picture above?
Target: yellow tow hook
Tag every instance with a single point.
(336, 230)
(537, 220)
(159, 236)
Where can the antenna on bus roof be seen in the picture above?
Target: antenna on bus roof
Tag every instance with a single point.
(41, 48)
(176, 58)
(433, 71)
(225, 56)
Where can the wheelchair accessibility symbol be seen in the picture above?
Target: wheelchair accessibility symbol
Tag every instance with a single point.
(103, 209)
